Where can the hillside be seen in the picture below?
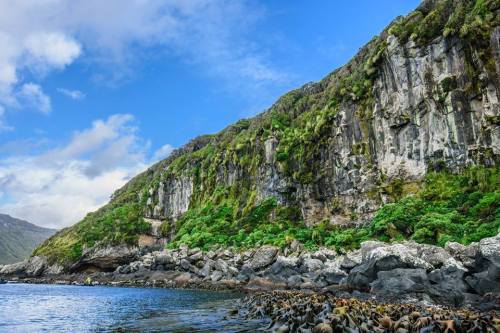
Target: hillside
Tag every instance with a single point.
(401, 142)
(18, 238)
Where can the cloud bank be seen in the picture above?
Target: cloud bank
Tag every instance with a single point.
(58, 186)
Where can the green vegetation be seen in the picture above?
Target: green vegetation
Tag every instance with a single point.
(302, 126)
(469, 19)
(122, 224)
(449, 207)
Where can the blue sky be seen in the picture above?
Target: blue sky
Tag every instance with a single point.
(92, 92)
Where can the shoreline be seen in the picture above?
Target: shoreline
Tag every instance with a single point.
(322, 311)
(457, 276)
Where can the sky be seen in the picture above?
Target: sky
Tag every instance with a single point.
(92, 92)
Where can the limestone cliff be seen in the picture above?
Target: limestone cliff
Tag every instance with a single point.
(424, 95)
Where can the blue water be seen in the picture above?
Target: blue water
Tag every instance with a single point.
(60, 308)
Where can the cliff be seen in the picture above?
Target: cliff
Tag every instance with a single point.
(421, 97)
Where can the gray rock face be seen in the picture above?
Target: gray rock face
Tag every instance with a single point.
(415, 122)
(106, 258)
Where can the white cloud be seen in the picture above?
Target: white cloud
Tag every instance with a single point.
(162, 152)
(38, 37)
(52, 49)
(58, 186)
(32, 96)
(73, 94)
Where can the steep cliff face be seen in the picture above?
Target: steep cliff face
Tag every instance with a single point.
(424, 95)
(430, 106)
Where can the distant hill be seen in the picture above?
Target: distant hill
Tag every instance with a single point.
(18, 238)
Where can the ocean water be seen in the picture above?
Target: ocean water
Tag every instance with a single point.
(60, 308)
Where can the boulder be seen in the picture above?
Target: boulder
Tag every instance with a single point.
(434, 255)
(222, 266)
(185, 264)
(332, 273)
(311, 265)
(246, 272)
(163, 258)
(368, 246)
(465, 254)
(351, 260)
(36, 266)
(381, 259)
(207, 268)
(263, 257)
(216, 276)
(106, 258)
(197, 256)
(401, 281)
(285, 265)
(487, 265)
(450, 277)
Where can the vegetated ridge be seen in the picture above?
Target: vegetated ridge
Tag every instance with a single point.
(400, 143)
(18, 238)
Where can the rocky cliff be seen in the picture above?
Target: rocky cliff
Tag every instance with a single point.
(422, 96)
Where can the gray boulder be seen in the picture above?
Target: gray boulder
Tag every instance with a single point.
(332, 273)
(465, 254)
(381, 259)
(216, 276)
(263, 257)
(185, 264)
(401, 281)
(311, 265)
(106, 258)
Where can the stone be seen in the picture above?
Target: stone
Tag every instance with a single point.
(216, 276)
(285, 263)
(106, 258)
(351, 260)
(222, 266)
(36, 266)
(462, 253)
(246, 272)
(206, 270)
(263, 257)
(400, 281)
(332, 273)
(185, 264)
(233, 271)
(434, 255)
(211, 254)
(384, 258)
(312, 265)
(368, 246)
(196, 256)
(449, 278)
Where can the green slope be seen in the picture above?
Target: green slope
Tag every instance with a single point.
(444, 206)
(18, 238)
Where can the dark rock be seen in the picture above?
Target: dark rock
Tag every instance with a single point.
(401, 281)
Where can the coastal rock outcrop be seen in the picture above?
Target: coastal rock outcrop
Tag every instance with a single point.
(455, 274)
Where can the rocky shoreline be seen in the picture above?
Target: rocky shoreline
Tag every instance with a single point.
(321, 313)
(455, 275)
